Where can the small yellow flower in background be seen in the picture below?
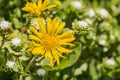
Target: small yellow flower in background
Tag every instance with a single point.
(36, 9)
(49, 41)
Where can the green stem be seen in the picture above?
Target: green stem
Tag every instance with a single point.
(21, 67)
(31, 61)
(3, 40)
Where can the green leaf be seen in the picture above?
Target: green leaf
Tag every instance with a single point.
(2, 60)
(80, 70)
(45, 63)
(7, 45)
(16, 68)
(92, 70)
(24, 74)
(48, 67)
(71, 59)
(24, 58)
(28, 78)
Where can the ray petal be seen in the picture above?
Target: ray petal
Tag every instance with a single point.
(70, 44)
(60, 27)
(62, 49)
(44, 5)
(49, 7)
(67, 40)
(38, 50)
(38, 34)
(35, 44)
(42, 26)
(56, 56)
(39, 3)
(49, 25)
(66, 35)
(33, 37)
(55, 24)
(49, 55)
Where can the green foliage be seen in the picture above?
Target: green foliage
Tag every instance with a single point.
(96, 54)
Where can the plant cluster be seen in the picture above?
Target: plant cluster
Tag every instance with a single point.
(59, 40)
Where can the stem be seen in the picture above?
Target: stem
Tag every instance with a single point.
(16, 76)
(31, 61)
(21, 67)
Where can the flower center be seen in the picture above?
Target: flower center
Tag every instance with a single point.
(49, 41)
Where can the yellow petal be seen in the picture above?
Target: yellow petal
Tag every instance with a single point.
(49, 55)
(49, 25)
(30, 7)
(52, 25)
(60, 27)
(38, 50)
(32, 37)
(70, 44)
(56, 25)
(62, 49)
(46, 2)
(67, 40)
(38, 34)
(39, 3)
(67, 34)
(37, 12)
(42, 26)
(49, 7)
(30, 49)
(35, 44)
(56, 56)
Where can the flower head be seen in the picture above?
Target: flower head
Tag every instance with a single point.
(77, 4)
(16, 41)
(4, 25)
(36, 9)
(91, 13)
(10, 64)
(83, 24)
(41, 72)
(89, 21)
(103, 13)
(110, 62)
(49, 41)
(102, 42)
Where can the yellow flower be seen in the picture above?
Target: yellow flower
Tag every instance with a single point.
(36, 9)
(49, 41)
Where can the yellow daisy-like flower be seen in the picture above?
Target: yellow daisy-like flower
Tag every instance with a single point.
(36, 9)
(49, 41)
